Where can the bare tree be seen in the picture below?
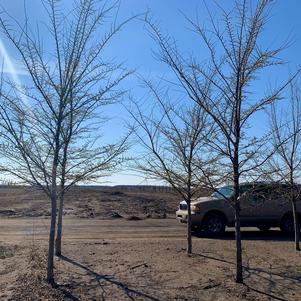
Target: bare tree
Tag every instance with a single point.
(84, 163)
(236, 60)
(172, 137)
(285, 164)
(47, 124)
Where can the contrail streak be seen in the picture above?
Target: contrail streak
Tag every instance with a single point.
(10, 68)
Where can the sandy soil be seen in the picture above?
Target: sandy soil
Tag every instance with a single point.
(146, 260)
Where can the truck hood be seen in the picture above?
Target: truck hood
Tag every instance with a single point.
(201, 200)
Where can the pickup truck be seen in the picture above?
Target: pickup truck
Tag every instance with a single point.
(263, 205)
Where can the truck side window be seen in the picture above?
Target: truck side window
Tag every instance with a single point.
(256, 200)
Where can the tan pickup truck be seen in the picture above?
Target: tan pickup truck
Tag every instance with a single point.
(263, 205)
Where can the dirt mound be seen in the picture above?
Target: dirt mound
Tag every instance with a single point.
(114, 214)
(85, 202)
(133, 218)
(157, 215)
(7, 212)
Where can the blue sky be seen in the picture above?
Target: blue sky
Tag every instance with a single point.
(134, 47)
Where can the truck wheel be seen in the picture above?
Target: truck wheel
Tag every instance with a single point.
(214, 224)
(287, 224)
(264, 228)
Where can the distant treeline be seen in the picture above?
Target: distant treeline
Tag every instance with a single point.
(142, 188)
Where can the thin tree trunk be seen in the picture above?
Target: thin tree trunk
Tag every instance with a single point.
(239, 276)
(189, 239)
(296, 226)
(50, 265)
(58, 241)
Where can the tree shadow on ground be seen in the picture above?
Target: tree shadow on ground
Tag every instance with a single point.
(103, 280)
(272, 283)
(67, 293)
(270, 235)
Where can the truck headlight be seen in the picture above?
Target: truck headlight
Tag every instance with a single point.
(195, 208)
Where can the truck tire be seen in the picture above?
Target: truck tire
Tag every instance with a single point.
(214, 224)
(287, 224)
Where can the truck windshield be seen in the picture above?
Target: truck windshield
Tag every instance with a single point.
(226, 191)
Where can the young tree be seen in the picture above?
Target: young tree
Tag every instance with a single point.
(285, 164)
(46, 138)
(236, 61)
(173, 138)
(84, 161)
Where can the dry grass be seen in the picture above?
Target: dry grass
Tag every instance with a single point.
(30, 284)
(7, 251)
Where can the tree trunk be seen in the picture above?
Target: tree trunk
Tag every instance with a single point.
(296, 226)
(239, 276)
(53, 196)
(189, 239)
(50, 265)
(58, 241)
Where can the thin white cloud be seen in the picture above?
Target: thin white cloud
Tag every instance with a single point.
(19, 71)
(9, 68)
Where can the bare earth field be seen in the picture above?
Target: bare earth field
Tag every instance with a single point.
(89, 202)
(120, 259)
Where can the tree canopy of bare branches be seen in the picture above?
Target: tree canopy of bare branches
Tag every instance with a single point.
(49, 126)
(285, 164)
(173, 138)
(236, 60)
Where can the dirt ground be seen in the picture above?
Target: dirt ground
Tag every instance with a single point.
(101, 202)
(118, 259)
